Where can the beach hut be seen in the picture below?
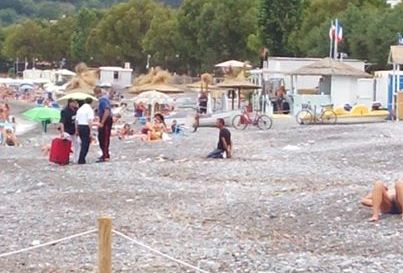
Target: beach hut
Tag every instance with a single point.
(395, 91)
(338, 83)
(116, 76)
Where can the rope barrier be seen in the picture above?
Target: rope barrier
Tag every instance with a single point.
(159, 252)
(48, 243)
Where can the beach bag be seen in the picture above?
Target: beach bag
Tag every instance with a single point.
(60, 151)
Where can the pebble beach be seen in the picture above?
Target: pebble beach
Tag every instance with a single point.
(288, 201)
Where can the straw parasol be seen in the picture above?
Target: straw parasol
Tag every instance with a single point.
(85, 79)
(205, 83)
(239, 82)
(330, 67)
(155, 80)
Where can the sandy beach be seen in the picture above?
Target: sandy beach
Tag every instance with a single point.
(288, 201)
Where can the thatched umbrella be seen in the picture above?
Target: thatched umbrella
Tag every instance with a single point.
(84, 81)
(240, 85)
(160, 87)
(156, 80)
(329, 67)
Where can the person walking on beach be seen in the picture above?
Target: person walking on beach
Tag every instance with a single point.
(84, 118)
(105, 124)
(383, 200)
(203, 100)
(224, 146)
(68, 126)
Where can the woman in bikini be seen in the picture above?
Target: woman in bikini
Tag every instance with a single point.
(383, 200)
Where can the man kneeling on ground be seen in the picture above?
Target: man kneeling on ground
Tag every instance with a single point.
(224, 146)
(383, 200)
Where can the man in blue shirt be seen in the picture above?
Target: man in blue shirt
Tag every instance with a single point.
(105, 124)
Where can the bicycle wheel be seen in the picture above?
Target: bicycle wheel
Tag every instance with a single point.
(239, 122)
(304, 117)
(264, 122)
(328, 117)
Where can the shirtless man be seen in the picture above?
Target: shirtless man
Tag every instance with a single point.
(383, 200)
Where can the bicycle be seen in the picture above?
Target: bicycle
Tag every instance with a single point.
(241, 121)
(308, 115)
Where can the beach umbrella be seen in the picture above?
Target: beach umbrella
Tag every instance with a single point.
(43, 114)
(234, 63)
(160, 87)
(76, 96)
(85, 90)
(26, 86)
(153, 97)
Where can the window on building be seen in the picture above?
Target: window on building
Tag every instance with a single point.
(116, 75)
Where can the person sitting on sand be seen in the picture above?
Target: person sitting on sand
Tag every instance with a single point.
(224, 146)
(126, 131)
(155, 130)
(174, 127)
(383, 200)
(10, 138)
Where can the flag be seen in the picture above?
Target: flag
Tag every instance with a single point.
(399, 39)
(332, 31)
(339, 32)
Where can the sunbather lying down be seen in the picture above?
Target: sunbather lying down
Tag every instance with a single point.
(383, 200)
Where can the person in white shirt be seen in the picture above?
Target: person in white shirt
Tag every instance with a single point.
(84, 118)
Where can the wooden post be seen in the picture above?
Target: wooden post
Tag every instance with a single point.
(239, 98)
(105, 244)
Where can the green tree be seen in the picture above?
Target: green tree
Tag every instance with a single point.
(57, 35)
(382, 33)
(277, 20)
(25, 41)
(85, 22)
(216, 30)
(317, 16)
(162, 40)
(118, 36)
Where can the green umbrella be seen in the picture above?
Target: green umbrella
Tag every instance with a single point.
(44, 115)
(40, 114)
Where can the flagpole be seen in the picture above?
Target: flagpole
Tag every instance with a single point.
(331, 39)
(335, 40)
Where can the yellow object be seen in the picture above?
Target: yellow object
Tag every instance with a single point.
(359, 109)
(339, 110)
(360, 114)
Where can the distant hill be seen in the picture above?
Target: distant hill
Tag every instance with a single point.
(12, 11)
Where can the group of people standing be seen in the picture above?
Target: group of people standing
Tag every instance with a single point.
(77, 120)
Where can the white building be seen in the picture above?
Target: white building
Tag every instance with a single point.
(116, 76)
(314, 88)
(393, 2)
(278, 69)
(338, 84)
(56, 76)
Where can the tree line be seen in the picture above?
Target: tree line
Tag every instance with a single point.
(198, 34)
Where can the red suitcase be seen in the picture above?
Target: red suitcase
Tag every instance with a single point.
(60, 151)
